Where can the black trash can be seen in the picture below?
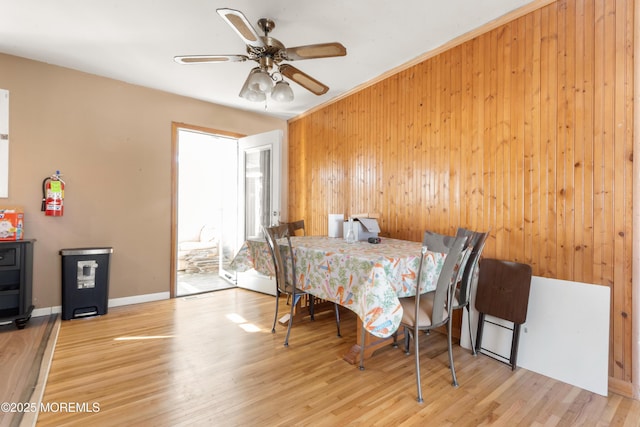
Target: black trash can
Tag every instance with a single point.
(85, 281)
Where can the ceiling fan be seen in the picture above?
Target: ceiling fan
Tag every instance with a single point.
(269, 53)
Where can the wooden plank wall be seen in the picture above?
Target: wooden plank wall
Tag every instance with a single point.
(525, 130)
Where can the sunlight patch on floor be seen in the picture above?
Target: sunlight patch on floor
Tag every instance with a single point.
(242, 323)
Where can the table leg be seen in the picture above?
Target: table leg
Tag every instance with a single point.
(302, 310)
(371, 344)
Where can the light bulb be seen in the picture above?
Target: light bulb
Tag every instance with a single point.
(282, 92)
(260, 81)
(248, 93)
(254, 96)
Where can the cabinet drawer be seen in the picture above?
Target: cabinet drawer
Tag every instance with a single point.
(9, 257)
(8, 304)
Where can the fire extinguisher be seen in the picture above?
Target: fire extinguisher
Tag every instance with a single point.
(53, 195)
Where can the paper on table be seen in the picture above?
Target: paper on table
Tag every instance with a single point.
(335, 225)
(370, 224)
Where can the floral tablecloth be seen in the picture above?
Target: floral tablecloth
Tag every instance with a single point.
(254, 254)
(366, 278)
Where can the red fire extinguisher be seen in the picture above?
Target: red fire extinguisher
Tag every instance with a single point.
(53, 195)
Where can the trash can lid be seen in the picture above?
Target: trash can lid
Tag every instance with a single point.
(86, 251)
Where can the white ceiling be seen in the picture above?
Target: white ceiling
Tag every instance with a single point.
(135, 40)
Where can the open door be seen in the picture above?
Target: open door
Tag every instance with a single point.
(256, 204)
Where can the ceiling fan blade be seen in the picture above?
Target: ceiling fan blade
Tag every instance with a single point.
(322, 50)
(303, 79)
(241, 26)
(203, 59)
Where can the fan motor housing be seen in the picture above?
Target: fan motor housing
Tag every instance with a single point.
(273, 49)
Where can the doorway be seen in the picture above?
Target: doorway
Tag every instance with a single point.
(205, 161)
(225, 188)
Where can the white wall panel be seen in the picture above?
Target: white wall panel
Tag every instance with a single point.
(566, 336)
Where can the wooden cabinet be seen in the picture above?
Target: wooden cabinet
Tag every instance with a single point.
(16, 265)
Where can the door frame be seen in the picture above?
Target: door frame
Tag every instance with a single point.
(175, 127)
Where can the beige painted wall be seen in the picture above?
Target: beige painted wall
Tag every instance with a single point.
(112, 143)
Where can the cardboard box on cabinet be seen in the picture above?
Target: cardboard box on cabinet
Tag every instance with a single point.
(11, 224)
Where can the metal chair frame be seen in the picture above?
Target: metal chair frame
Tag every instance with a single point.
(272, 235)
(464, 286)
(442, 298)
(294, 226)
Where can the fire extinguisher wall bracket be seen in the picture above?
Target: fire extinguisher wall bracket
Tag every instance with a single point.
(53, 195)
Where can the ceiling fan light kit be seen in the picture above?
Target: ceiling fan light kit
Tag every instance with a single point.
(269, 53)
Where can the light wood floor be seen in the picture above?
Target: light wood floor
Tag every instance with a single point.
(21, 356)
(212, 360)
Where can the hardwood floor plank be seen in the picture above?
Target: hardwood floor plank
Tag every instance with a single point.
(212, 360)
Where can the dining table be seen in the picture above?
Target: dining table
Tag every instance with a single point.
(366, 278)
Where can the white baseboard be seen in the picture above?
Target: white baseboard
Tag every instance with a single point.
(137, 299)
(115, 302)
(45, 311)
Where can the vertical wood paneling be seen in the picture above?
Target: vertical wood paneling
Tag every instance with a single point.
(600, 146)
(467, 137)
(583, 167)
(562, 189)
(608, 183)
(526, 129)
(549, 140)
(622, 209)
(627, 210)
(502, 166)
(489, 142)
(479, 220)
(519, 179)
(530, 201)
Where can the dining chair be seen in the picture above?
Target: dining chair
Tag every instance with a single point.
(468, 277)
(294, 226)
(285, 282)
(427, 311)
